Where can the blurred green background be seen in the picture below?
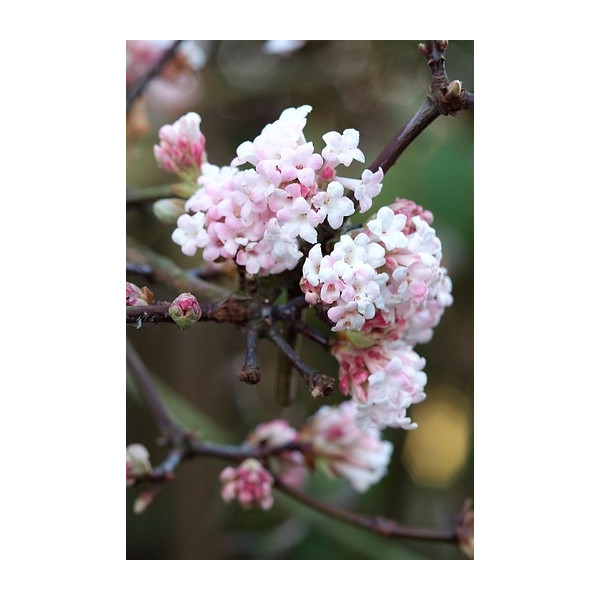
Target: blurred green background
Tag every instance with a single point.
(375, 87)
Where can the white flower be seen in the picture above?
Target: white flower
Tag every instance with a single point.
(369, 187)
(190, 233)
(333, 204)
(342, 148)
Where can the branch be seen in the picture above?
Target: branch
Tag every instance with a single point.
(319, 384)
(443, 98)
(250, 372)
(137, 197)
(235, 310)
(151, 74)
(171, 431)
(379, 525)
(166, 271)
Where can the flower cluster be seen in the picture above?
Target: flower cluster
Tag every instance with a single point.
(387, 291)
(259, 215)
(329, 440)
(249, 483)
(341, 449)
(288, 465)
(385, 274)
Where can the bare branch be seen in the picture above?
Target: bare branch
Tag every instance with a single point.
(167, 426)
(379, 525)
(151, 74)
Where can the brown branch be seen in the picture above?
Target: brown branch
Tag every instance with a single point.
(443, 98)
(250, 372)
(171, 431)
(236, 310)
(319, 384)
(155, 70)
(379, 525)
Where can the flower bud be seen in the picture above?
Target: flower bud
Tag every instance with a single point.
(454, 88)
(249, 483)
(185, 310)
(134, 296)
(138, 462)
(168, 210)
(143, 501)
(182, 146)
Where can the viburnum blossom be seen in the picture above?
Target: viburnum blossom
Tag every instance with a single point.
(249, 483)
(384, 380)
(260, 215)
(342, 449)
(383, 280)
(182, 146)
(288, 465)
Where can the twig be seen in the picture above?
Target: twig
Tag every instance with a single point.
(151, 74)
(236, 310)
(443, 98)
(138, 197)
(250, 372)
(312, 334)
(319, 384)
(379, 525)
(166, 271)
(167, 426)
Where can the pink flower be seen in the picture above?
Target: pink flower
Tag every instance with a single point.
(182, 146)
(288, 465)
(384, 379)
(248, 483)
(341, 449)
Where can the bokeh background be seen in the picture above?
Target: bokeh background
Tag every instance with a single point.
(237, 88)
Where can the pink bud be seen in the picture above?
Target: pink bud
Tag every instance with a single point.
(182, 146)
(134, 296)
(185, 310)
(250, 483)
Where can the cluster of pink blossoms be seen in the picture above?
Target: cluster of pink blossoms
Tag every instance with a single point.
(257, 216)
(330, 440)
(383, 285)
(386, 282)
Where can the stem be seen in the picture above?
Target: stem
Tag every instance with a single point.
(167, 426)
(250, 372)
(379, 525)
(138, 196)
(151, 74)
(400, 142)
(233, 310)
(319, 384)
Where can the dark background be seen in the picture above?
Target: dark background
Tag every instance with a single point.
(375, 87)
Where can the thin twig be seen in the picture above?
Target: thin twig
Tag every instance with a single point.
(250, 372)
(319, 384)
(151, 74)
(379, 525)
(167, 426)
(136, 197)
